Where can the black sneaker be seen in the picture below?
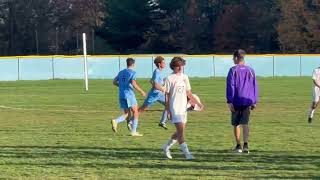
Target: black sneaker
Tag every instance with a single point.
(163, 126)
(309, 120)
(237, 149)
(245, 148)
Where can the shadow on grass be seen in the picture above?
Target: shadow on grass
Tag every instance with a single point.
(150, 158)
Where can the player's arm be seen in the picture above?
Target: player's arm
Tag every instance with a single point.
(316, 83)
(154, 81)
(116, 81)
(137, 87)
(230, 90)
(167, 104)
(256, 91)
(157, 86)
(191, 98)
(314, 78)
(167, 96)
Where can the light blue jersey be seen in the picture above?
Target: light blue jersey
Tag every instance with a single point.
(126, 92)
(157, 77)
(155, 95)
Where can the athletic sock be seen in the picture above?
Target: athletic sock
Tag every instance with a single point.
(164, 117)
(170, 143)
(134, 126)
(184, 148)
(238, 146)
(311, 112)
(121, 119)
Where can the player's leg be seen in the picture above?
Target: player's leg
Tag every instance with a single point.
(123, 117)
(129, 120)
(149, 101)
(135, 111)
(163, 120)
(235, 121)
(169, 144)
(245, 127)
(180, 124)
(314, 104)
(312, 110)
(237, 133)
(166, 148)
(143, 108)
(180, 132)
(180, 127)
(178, 136)
(164, 117)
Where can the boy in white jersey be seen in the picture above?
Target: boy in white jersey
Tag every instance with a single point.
(178, 89)
(316, 93)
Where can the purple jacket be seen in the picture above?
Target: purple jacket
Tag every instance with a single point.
(242, 87)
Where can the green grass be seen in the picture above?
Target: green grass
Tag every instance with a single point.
(52, 129)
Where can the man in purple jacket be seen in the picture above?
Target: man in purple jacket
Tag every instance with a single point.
(242, 95)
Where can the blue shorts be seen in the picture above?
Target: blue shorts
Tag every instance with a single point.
(152, 98)
(127, 103)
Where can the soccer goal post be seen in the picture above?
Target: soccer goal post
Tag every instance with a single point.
(85, 61)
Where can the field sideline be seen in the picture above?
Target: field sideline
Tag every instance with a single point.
(52, 129)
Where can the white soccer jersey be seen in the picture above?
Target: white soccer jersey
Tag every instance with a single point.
(316, 90)
(177, 86)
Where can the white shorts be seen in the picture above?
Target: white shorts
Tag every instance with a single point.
(316, 94)
(175, 118)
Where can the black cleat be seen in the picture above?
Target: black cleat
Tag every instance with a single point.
(237, 149)
(245, 149)
(163, 126)
(309, 120)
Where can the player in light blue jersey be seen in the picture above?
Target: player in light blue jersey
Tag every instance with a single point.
(126, 81)
(156, 94)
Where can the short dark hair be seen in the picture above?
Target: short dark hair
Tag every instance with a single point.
(130, 61)
(158, 60)
(239, 54)
(177, 62)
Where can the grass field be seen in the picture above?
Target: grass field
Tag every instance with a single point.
(52, 129)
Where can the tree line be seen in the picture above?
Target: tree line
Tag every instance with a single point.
(159, 26)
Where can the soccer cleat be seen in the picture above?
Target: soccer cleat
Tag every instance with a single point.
(237, 149)
(245, 149)
(114, 125)
(189, 157)
(166, 152)
(164, 126)
(136, 134)
(309, 120)
(129, 125)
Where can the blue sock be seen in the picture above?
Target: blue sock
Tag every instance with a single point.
(134, 126)
(121, 119)
(164, 117)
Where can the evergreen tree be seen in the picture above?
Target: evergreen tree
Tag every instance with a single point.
(125, 24)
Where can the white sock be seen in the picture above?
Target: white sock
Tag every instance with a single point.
(184, 148)
(170, 143)
(311, 112)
